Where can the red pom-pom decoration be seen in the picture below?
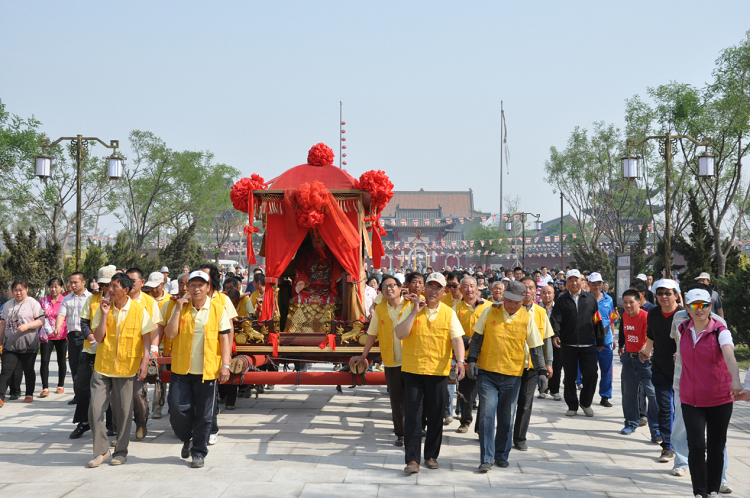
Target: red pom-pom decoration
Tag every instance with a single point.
(343, 131)
(343, 155)
(343, 138)
(311, 202)
(320, 155)
(344, 163)
(343, 122)
(343, 146)
(241, 192)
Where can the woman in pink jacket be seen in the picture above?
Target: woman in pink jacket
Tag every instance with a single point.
(709, 383)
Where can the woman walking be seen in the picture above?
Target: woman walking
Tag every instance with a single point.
(50, 339)
(709, 382)
(22, 317)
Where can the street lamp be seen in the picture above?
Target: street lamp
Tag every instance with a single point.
(79, 146)
(537, 227)
(667, 148)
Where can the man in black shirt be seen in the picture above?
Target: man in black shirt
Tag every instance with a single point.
(663, 347)
(579, 330)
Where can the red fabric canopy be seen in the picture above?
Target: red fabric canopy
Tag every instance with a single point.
(331, 176)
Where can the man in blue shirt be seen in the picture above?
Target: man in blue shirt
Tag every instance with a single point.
(604, 357)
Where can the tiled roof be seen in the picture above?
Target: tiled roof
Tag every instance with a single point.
(452, 203)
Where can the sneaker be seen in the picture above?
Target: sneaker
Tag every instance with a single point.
(643, 422)
(212, 440)
(571, 413)
(502, 463)
(521, 446)
(99, 460)
(588, 411)
(724, 488)
(678, 472)
(185, 451)
(541, 396)
(627, 430)
(462, 429)
(656, 438)
(666, 456)
(713, 493)
(484, 468)
(399, 441)
(557, 397)
(197, 462)
(605, 402)
(447, 420)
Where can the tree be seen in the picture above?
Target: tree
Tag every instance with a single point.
(736, 301)
(697, 249)
(122, 253)
(640, 260)
(220, 229)
(28, 259)
(183, 250)
(593, 259)
(94, 259)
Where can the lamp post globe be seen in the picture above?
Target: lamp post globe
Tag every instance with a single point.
(114, 169)
(630, 167)
(43, 166)
(706, 165)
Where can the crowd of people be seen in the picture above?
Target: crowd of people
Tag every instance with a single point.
(493, 340)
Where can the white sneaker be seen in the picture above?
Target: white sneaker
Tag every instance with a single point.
(541, 396)
(588, 411)
(678, 472)
(725, 488)
(713, 493)
(212, 439)
(571, 413)
(557, 397)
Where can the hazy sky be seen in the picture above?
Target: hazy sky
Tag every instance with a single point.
(258, 83)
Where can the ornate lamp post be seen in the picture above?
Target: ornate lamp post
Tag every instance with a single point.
(537, 227)
(79, 147)
(631, 167)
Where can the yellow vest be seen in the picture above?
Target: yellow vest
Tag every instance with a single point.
(148, 303)
(503, 344)
(242, 307)
(385, 333)
(447, 299)
(167, 342)
(94, 303)
(122, 357)
(540, 317)
(428, 350)
(182, 345)
(468, 317)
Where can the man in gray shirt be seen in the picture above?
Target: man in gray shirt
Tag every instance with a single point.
(70, 316)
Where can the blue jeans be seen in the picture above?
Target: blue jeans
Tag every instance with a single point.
(634, 373)
(679, 439)
(663, 390)
(604, 358)
(498, 395)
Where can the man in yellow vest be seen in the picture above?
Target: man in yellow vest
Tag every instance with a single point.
(382, 329)
(88, 355)
(429, 335)
(154, 287)
(497, 355)
(140, 393)
(122, 329)
(530, 378)
(468, 311)
(452, 295)
(201, 351)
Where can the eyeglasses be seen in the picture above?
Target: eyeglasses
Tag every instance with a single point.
(453, 286)
(660, 294)
(390, 286)
(698, 306)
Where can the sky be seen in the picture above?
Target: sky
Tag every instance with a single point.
(259, 83)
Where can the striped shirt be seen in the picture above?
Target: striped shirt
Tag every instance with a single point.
(71, 309)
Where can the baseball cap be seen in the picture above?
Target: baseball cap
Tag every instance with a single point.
(200, 274)
(642, 276)
(105, 274)
(154, 279)
(596, 277)
(437, 277)
(666, 283)
(516, 291)
(572, 273)
(696, 295)
(703, 275)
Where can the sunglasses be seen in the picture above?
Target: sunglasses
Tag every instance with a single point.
(453, 286)
(698, 306)
(660, 294)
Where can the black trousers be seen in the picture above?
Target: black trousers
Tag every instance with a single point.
(191, 408)
(229, 393)
(75, 346)
(554, 381)
(61, 348)
(423, 394)
(584, 359)
(14, 383)
(467, 389)
(525, 401)
(10, 362)
(394, 379)
(706, 436)
(82, 388)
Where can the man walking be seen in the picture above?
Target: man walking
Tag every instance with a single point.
(606, 354)
(548, 301)
(70, 316)
(578, 329)
(428, 334)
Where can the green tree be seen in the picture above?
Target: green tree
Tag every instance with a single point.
(697, 249)
(94, 259)
(593, 259)
(28, 259)
(736, 301)
(122, 253)
(640, 260)
(183, 250)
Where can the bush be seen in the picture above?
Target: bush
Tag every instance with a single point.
(736, 301)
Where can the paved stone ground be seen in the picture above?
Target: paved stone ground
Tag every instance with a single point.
(310, 442)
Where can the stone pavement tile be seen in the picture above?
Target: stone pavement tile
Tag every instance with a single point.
(600, 484)
(569, 468)
(412, 491)
(299, 460)
(512, 477)
(352, 462)
(243, 490)
(30, 489)
(558, 493)
(320, 490)
(248, 473)
(380, 476)
(111, 489)
(316, 475)
(322, 452)
(444, 477)
(176, 489)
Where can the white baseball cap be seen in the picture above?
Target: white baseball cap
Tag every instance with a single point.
(154, 280)
(436, 277)
(703, 275)
(642, 276)
(105, 274)
(572, 273)
(200, 274)
(666, 283)
(595, 277)
(164, 269)
(696, 295)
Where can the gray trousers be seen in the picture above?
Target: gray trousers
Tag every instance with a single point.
(120, 392)
(160, 396)
(140, 402)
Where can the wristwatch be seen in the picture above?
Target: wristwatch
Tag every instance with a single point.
(225, 366)
(460, 361)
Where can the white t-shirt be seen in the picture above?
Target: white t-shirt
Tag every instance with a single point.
(725, 337)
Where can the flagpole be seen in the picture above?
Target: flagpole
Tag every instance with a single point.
(502, 123)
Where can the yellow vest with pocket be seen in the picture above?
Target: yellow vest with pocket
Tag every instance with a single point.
(182, 345)
(503, 349)
(428, 349)
(94, 302)
(122, 356)
(468, 317)
(385, 333)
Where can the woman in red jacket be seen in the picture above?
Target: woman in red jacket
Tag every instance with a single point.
(709, 382)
